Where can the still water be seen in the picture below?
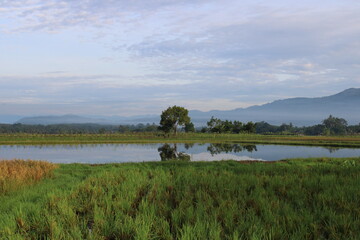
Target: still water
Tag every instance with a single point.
(111, 153)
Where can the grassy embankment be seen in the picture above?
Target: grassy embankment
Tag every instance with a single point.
(333, 141)
(293, 199)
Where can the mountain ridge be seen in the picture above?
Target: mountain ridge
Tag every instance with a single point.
(300, 111)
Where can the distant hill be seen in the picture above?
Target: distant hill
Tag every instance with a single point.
(75, 119)
(65, 119)
(9, 119)
(299, 111)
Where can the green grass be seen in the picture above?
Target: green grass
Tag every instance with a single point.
(333, 141)
(30, 200)
(292, 199)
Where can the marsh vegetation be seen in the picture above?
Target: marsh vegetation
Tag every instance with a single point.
(291, 199)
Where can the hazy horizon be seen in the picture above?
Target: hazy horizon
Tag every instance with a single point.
(131, 58)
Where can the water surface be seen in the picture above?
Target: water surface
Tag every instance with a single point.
(111, 153)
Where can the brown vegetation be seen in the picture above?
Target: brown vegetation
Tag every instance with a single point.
(16, 173)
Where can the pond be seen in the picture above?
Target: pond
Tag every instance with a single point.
(117, 153)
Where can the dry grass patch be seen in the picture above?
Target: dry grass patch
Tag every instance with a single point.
(16, 173)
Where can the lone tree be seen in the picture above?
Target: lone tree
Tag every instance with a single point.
(173, 117)
(334, 125)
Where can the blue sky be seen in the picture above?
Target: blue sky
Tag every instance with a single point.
(117, 57)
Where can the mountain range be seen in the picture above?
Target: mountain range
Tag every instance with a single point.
(299, 111)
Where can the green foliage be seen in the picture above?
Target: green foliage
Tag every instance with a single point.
(264, 127)
(189, 127)
(172, 118)
(314, 130)
(293, 199)
(102, 130)
(335, 126)
(237, 127)
(216, 125)
(329, 126)
(250, 127)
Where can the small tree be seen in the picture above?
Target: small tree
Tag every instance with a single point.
(189, 127)
(173, 117)
(215, 125)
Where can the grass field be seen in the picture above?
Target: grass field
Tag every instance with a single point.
(291, 199)
(15, 174)
(333, 141)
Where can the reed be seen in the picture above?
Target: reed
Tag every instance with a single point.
(17, 173)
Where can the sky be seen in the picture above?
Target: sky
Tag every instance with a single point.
(132, 57)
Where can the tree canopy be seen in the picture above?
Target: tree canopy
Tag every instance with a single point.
(172, 118)
(189, 127)
(216, 125)
(334, 125)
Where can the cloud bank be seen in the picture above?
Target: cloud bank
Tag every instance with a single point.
(138, 57)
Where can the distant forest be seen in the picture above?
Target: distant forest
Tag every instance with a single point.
(76, 128)
(329, 126)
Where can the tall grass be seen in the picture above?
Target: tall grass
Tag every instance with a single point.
(17, 173)
(297, 199)
(27, 204)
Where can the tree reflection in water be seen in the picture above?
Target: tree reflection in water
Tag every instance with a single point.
(188, 145)
(332, 149)
(168, 152)
(217, 148)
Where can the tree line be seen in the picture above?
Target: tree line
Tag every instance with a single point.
(329, 126)
(75, 128)
(216, 125)
(176, 118)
